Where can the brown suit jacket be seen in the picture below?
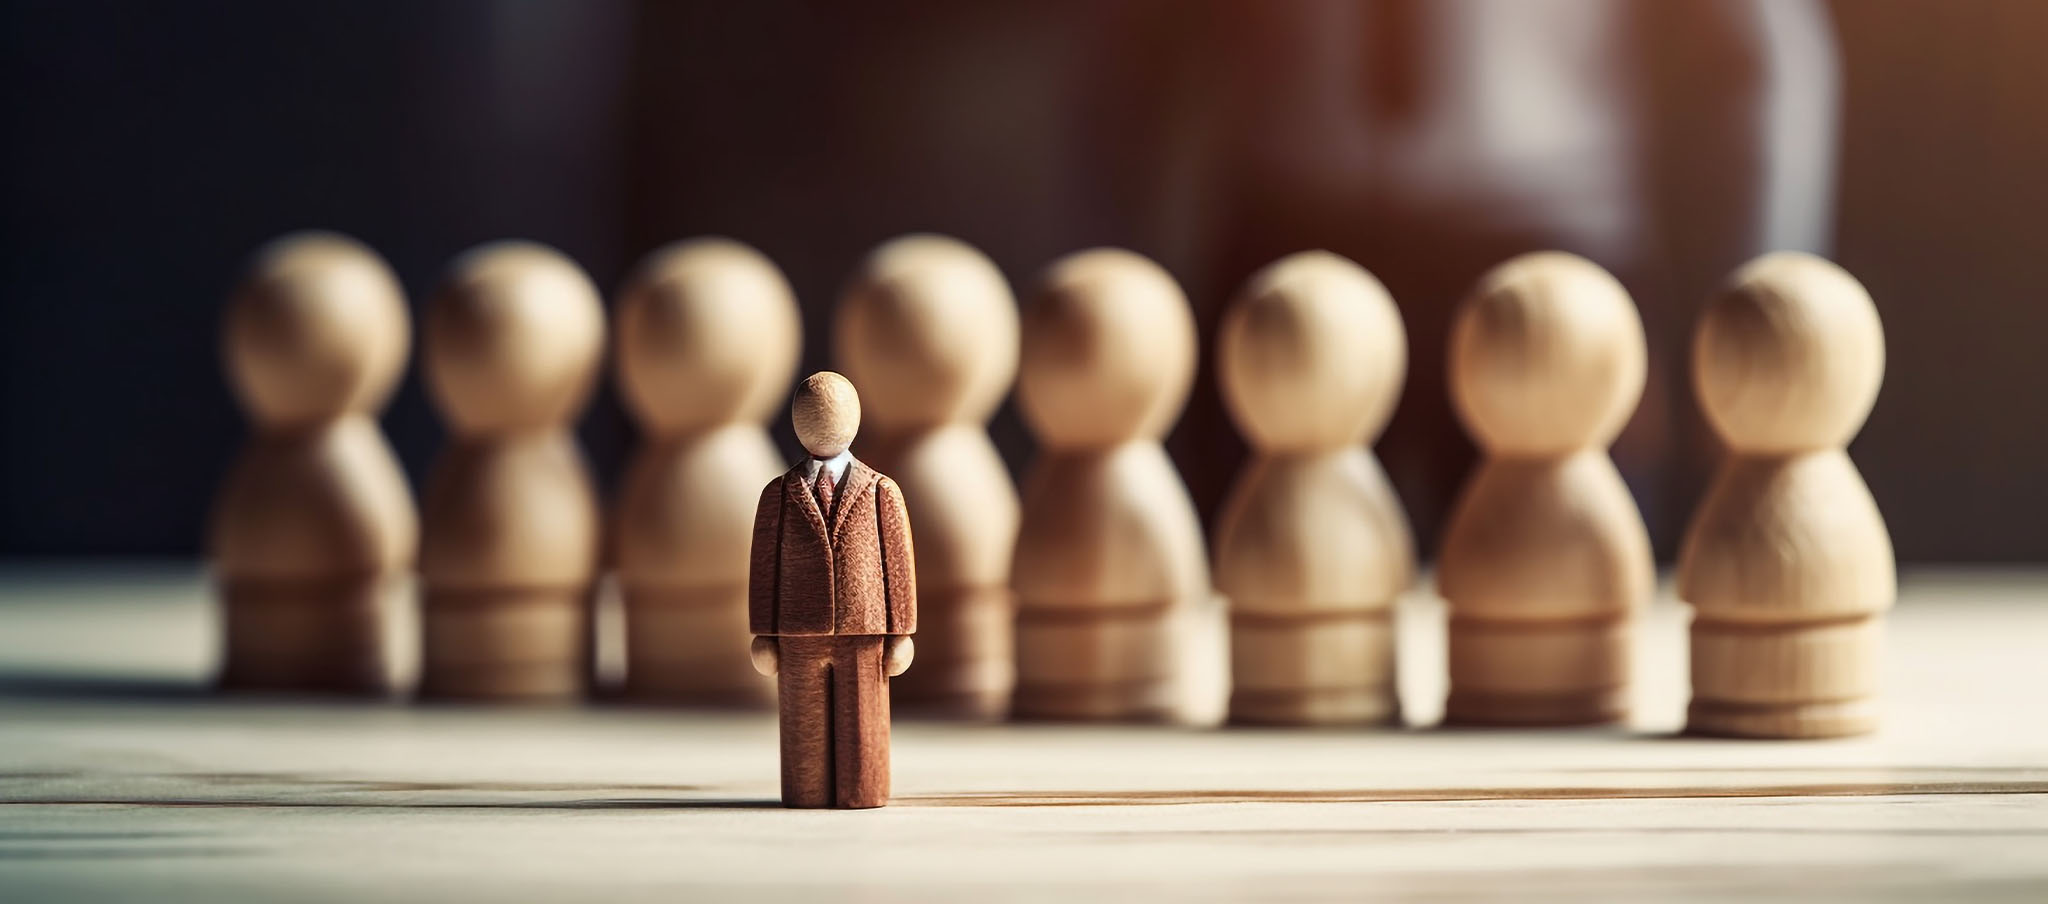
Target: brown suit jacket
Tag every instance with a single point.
(852, 576)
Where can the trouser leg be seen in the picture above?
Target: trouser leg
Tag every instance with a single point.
(861, 722)
(804, 696)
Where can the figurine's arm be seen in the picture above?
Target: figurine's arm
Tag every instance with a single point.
(899, 574)
(763, 573)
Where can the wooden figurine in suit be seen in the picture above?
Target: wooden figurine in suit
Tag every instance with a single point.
(832, 598)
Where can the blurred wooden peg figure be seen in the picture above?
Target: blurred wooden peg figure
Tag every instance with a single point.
(928, 331)
(511, 527)
(1116, 616)
(1545, 562)
(314, 532)
(832, 604)
(1312, 547)
(1787, 562)
(707, 339)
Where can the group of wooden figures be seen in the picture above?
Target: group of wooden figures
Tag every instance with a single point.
(1092, 594)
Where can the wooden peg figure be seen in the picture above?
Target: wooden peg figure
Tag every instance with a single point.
(1312, 546)
(707, 347)
(315, 530)
(929, 329)
(1787, 562)
(510, 546)
(833, 601)
(1116, 616)
(1545, 562)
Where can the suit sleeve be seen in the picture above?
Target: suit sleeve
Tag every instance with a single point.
(765, 566)
(899, 562)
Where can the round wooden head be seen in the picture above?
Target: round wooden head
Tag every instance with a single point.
(929, 326)
(1547, 356)
(316, 330)
(708, 334)
(1108, 351)
(826, 412)
(513, 339)
(1789, 356)
(1311, 355)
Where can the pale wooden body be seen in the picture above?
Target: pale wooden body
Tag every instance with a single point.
(1116, 618)
(1312, 546)
(1545, 561)
(708, 338)
(1311, 551)
(511, 528)
(314, 531)
(1116, 615)
(1545, 565)
(312, 539)
(685, 518)
(928, 331)
(510, 554)
(1787, 561)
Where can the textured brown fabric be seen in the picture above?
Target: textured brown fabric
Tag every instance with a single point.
(835, 722)
(829, 582)
(855, 575)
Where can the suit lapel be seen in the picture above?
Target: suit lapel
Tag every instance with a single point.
(859, 479)
(797, 491)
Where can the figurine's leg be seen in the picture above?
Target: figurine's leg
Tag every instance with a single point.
(804, 690)
(861, 722)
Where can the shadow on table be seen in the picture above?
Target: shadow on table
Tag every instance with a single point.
(61, 686)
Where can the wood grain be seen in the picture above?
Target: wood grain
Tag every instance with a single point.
(121, 779)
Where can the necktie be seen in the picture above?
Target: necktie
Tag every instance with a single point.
(824, 489)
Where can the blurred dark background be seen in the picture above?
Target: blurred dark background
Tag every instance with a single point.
(150, 147)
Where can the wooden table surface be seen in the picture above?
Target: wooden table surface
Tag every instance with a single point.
(121, 778)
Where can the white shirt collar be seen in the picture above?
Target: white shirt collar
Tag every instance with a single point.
(838, 464)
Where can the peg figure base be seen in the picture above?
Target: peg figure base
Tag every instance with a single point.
(504, 645)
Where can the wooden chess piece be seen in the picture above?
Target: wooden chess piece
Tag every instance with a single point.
(928, 329)
(1545, 562)
(1312, 546)
(707, 340)
(1787, 563)
(511, 534)
(1116, 617)
(833, 602)
(314, 532)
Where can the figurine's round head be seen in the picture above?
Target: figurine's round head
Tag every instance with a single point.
(513, 339)
(708, 335)
(1311, 354)
(1109, 351)
(1789, 356)
(826, 412)
(929, 326)
(318, 329)
(1547, 356)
